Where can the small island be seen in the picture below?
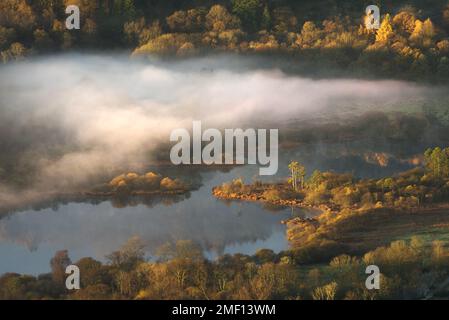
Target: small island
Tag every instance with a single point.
(133, 184)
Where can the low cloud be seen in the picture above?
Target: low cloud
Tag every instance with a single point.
(100, 113)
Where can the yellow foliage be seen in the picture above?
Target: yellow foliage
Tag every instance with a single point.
(165, 44)
(443, 46)
(423, 34)
(117, 180)
(170, 184)
(385, 33)
(219, 19)
(132, 176)
(186, 49)
(121, 184)
(404, 22)
(151, 175)
(16, 14)
(327, 292)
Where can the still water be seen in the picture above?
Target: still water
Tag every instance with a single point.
(30, 238)
(160, 95)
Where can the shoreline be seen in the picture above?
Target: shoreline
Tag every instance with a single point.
(294, 224)
(254, 197)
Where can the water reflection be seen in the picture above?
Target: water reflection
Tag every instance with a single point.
(97, 229)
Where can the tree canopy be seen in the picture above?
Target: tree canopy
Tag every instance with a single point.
(409, 44)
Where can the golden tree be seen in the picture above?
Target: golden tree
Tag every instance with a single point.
(385, 32)
(404, 22)
(423, 34)
(298, 173)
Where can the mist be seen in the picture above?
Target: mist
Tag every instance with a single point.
(78, 116)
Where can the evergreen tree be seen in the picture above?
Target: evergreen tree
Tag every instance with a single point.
(266, 18)
(247, 11)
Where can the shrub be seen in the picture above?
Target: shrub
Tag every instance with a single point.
(272, 195)
(317, 196)
(170, 184)
(264, 256)
(327, 292)
(235, 186)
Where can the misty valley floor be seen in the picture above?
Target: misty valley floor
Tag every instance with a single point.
(370, 128)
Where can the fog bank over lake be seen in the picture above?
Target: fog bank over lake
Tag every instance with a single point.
(78, 115)
(66, 120)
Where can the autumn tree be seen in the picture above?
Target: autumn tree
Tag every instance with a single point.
(346, 196)
(293, 166)
(443, 47)
(297, 177)
(219, 19)
(404, 22)
(315, 180)
(437, 162)
(284, 20)
(310, 35)
(47, 11)
(167, 44)
(93, 272)
(265, 256)
(186, 21)
(58, 266)
(18, 287)
(17, 14)
(385, 32)
(424, 33)
(182, 249)
(137, 32)
(15, 52)
(89, 8)
(129, 255)
(326, 292)
(302, 175)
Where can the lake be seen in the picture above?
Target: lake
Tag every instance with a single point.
(29, 239)
(125, 114)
